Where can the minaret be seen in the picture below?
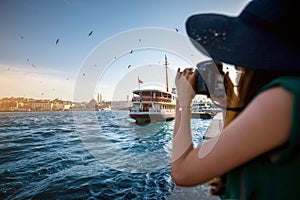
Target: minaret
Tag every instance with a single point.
(166, 65)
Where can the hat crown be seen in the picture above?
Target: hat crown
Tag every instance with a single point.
(264, 36)
(275, 15)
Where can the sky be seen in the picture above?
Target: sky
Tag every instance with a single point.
(49, 48)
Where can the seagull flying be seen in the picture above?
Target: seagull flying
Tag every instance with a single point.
(57, 41)
(90, 33)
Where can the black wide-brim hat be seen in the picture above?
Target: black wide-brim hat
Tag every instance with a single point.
(264, 36)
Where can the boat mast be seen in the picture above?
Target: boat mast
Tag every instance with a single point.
(166, 65)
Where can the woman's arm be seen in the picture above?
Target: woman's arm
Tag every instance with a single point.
(264, 125)
(182, 137)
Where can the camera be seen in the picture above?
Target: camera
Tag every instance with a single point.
(209, 79)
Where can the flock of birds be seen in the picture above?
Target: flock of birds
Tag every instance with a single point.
(90, 34)
(57, 41)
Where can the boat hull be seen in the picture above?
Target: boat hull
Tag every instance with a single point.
(146, 117)
(202, 115)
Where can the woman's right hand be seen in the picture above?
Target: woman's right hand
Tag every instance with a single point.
(186, 82)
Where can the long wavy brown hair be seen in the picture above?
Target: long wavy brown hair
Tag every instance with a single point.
(218, 183)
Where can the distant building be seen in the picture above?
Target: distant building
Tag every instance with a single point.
(41, 106)
(22, 104)
(61, 105)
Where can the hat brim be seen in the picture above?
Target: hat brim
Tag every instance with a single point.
(234, 41)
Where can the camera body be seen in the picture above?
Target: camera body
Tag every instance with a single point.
(209, 79)
(201, 87)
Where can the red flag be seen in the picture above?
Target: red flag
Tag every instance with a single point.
(140, 81)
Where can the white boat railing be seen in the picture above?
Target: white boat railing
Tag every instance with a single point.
(156, 99)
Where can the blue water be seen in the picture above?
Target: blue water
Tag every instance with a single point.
(86, 155)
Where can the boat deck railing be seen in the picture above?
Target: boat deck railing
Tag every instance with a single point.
(150, 110)
(151, 99)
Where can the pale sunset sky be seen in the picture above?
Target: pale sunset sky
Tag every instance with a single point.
(46, 46)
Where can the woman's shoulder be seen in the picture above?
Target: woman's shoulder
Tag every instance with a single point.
(290, 83)
(264, 124)
(276, 99)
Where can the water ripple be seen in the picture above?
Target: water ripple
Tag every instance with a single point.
(104, 155)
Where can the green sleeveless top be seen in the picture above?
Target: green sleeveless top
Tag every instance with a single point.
(262, 178)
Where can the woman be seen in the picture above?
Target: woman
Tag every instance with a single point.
(259, 150)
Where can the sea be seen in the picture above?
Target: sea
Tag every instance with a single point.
(86, 155)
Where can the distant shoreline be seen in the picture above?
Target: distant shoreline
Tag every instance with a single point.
(21, 104)
(37, 111)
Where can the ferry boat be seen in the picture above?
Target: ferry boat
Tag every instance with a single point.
(203, 109)
(152, 105)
